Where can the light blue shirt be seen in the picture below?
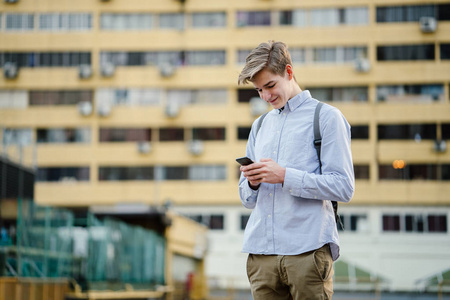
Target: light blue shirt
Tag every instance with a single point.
(292, 218)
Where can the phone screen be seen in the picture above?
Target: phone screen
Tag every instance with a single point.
(244, 161)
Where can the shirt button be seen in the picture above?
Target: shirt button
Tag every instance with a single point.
(274, 152)
(270, 194)
(269, 216)
(290, 191)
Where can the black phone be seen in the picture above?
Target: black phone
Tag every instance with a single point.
(244, 161)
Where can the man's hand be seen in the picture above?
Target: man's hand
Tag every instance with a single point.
(264, 171)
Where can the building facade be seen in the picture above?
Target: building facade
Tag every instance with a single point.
(136, 102)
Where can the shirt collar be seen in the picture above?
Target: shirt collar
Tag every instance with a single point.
(298, 100)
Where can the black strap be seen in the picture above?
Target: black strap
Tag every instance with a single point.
(318, 146)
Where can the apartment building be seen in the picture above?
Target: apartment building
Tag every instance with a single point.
(132, 102)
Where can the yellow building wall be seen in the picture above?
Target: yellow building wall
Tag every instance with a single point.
(230, 115)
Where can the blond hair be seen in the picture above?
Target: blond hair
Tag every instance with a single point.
(271, 55)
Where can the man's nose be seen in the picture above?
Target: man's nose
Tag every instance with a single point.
(265, 95)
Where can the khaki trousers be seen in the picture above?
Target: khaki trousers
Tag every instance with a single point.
(299, 277)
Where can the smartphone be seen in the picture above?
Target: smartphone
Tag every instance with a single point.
(244, 161)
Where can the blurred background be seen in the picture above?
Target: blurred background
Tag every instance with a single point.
(120, 122)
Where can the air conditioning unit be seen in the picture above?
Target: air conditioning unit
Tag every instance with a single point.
(428, 24)
(166, 70)
(144, 147)
(440, 146)
(362, 65)
(11, 1)
(10, 70)
(258, 106)
(85, 71)
(172, 110)
(107, 69)
(85, 108)
(103, 109)
(195, 147)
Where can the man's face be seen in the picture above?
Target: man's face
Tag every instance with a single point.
(273, 88)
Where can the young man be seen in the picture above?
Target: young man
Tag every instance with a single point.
(291, 236)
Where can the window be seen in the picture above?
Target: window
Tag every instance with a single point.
(64, 135)
(391, 223)
(17, 136)
(298, 55)
(444, 12)
(209, 134)
(445, 51)
(244, 95)
(125, 173)
(414, 172)
(243, 133)
(415, 223)
(207, 172)
(129, 97)
(338, 54)
(411, 93)
(354, 223)
(200, 58)
(412, 13)
(13, 99)
(360, 132)
(70, 21)
(340, 94)
(125, 134)
(209, 20)
(129, 58)
(437, 223)
(63, 174)
(405, 52)
(175, 173)
(172, 21)
(19, 22)
(445, 131)
(297, 18)
(361, 171)
(203, 96)
(47, 59)
(126, 21)
(52, 98)
(253, 18)
(171, 134)
(216, 222)
(242, 56)
(244, 221)
(325, 17)
(415, 132)
(213, 222)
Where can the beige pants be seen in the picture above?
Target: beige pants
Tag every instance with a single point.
(299, 277)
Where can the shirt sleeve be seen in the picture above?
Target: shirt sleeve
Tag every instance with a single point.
(247, 194)
(337, 181)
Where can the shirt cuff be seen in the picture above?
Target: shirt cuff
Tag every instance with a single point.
(247, 192)
(293, 181)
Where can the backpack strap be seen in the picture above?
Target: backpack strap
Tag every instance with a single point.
(261, 119)
(318, 145)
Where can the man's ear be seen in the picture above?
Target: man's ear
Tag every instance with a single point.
(290, 71)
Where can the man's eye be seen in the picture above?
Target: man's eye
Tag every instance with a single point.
(271, 86)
